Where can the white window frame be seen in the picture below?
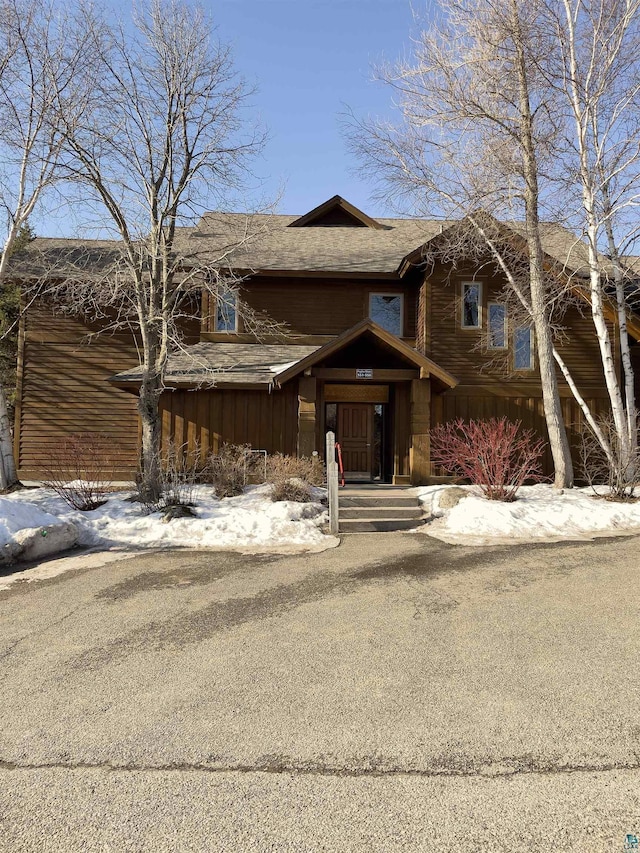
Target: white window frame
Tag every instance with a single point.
(505, 332)
(531, 365)
(463, 285)
(396, 294)
(233, 331)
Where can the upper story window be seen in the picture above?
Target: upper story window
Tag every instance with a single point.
(387, 309)
(226, 315)
(471, 305)
(523, 348)
(497, 325)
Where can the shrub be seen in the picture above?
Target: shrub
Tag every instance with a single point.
(81, 469)
(230, 469)
(495, 454)
(619, 470)
(180, 472)
(291, 477)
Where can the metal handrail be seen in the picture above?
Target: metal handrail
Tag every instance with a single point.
(340, 465)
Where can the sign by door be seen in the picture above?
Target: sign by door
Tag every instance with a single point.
(364, 373)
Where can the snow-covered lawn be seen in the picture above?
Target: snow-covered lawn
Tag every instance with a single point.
(251, 520)
(538, 513)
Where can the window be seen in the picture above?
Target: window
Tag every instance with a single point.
(471, 305)
(386, 309)
(523, 348)
(226, 319)
(497, 321)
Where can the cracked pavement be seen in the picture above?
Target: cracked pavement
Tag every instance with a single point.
(395, 693)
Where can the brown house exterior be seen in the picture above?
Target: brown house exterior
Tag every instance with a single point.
(378, 349)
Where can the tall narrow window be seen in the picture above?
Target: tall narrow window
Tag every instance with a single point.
(523, 348)
(471, 305)
(497, 321)
(226, 318)
(386, 310)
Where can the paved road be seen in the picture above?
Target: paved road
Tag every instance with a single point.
(395, 693)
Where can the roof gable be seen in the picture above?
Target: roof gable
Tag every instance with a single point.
(368, 327)
(335, 212)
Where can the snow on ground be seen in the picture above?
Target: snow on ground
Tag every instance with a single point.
(251, 521)
(539, 513)
(16, 515)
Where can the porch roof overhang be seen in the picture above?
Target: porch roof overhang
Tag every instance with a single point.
(226, 365)
(259, 366)
(427, 367)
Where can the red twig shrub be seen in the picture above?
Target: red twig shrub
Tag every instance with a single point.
(81, 469)
(496, 454)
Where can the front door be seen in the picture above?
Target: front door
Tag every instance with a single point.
(355, 436)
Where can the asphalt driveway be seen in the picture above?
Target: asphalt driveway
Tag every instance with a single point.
(395, 693)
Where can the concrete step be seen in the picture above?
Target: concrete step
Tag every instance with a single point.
(383, 500)
(374, 525)
(380, 512)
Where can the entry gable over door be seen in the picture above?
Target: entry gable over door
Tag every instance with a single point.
(382, 348)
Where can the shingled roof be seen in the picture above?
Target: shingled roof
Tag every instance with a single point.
(265, 242)
(276, 246)
(223, 364)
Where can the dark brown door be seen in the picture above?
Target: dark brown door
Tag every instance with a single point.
(355, 435)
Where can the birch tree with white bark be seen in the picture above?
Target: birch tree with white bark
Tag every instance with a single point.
(164, 135)
(599, 77)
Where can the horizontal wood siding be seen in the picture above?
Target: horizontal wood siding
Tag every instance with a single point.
(461, 352)
(64, 390)
(313, 306)
(203, 420)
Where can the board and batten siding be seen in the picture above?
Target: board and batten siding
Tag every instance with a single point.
(205, 419)
(519, 404)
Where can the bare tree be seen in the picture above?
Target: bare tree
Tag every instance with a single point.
(478, 131)
(162, 136)
(599, 76)
(36, 62)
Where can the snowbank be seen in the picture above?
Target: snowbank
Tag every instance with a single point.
(251, 520)
(539, 513)
(27, 532)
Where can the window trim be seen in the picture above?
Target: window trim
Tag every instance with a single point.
(505, 331)
(373, 293)
(463, 285)
(233, 331)
(531, 365)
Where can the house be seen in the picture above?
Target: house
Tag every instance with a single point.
(380, 348)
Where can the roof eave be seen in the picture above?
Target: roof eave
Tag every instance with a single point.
(421, 361)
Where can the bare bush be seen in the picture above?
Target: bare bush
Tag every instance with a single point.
(81, 469)
(231, 468)
(612, 467)
(495, 454)
(180, 473)
(291, 477)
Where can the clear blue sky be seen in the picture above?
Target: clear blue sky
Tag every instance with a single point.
(310, 58)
